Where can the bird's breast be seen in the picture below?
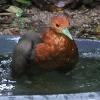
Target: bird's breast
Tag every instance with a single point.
(59, 42)
(55, 46)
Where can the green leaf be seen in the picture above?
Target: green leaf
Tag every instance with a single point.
(13, 9)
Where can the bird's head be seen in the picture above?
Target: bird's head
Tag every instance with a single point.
(60, 24)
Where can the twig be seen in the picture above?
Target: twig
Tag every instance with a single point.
(4, 14)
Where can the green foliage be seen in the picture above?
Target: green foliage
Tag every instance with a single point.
(13, 9)
(24, 1)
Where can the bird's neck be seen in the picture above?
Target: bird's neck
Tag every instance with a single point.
(53, 31)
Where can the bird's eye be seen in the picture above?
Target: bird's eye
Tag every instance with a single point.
(57, 25)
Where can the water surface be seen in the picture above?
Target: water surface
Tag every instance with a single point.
(84, 78)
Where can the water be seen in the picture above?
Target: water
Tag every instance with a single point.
(84, 78)
(6, 84)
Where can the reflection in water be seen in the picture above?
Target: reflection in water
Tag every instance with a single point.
(84, 78)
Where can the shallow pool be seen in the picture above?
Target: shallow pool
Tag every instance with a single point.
(84, 78)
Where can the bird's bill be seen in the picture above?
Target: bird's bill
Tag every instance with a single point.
(66, 32)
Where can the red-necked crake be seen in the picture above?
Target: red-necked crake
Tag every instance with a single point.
(53, 49)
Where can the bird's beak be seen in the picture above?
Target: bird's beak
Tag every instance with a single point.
(66, 32)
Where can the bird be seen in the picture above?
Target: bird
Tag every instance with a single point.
(52, 49)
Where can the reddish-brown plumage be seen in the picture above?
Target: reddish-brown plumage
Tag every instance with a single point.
(56, 51)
